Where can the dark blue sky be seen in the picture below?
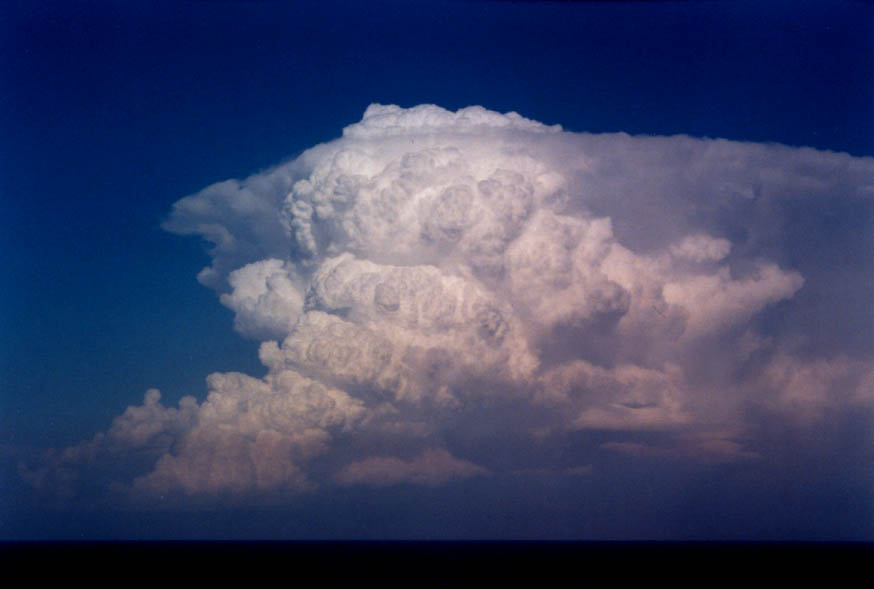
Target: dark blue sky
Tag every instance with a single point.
(112, 111)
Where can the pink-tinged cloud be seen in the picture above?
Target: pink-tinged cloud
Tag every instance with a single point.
(433, 275)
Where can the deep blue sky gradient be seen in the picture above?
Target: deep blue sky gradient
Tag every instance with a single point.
(112, 111)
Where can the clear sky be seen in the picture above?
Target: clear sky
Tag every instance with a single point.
(665, 338)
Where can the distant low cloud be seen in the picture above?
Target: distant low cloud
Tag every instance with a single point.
(433, 467)
(431, 270)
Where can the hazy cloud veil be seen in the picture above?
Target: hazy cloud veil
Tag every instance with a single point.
(430, 272)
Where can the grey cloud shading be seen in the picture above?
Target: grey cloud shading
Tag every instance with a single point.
(430, 269)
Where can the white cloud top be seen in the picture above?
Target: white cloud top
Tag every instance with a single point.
(431, 265)
(381, 120)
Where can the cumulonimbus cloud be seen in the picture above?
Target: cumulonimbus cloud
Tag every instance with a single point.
(429, 265)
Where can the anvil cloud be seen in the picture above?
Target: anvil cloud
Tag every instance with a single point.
(430, 270)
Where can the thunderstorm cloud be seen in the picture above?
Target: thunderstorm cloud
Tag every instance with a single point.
(435, 282)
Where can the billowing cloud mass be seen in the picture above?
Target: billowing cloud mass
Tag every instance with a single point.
(433, 278)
